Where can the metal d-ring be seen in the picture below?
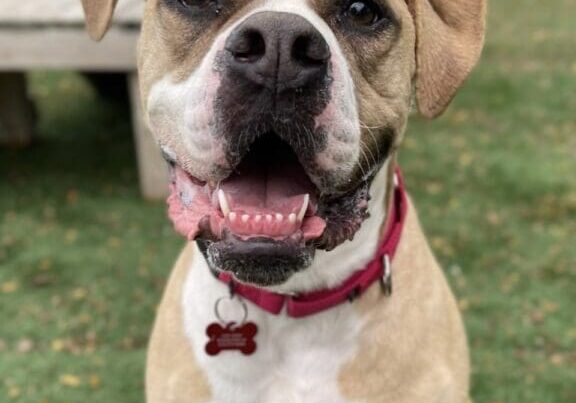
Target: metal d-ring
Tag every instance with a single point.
(230, 298)
(386, 280)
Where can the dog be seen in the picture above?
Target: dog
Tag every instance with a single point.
(307, 277)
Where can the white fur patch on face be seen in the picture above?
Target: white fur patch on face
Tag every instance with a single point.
(180, 116)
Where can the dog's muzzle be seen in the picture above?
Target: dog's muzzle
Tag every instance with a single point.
(275, 206)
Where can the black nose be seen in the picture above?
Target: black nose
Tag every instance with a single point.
(280, 51)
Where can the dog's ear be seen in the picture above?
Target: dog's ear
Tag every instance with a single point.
(98, 16)
(450, 37)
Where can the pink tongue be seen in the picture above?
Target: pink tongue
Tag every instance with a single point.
(276, 188)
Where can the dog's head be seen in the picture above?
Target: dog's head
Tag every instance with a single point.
(277, 114)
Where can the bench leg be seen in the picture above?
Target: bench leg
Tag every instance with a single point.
(17, 113)
(152, 168)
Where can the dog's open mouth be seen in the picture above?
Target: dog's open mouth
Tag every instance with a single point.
(264, 221)
(267, 196)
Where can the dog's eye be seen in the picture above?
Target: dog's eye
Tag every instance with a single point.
(192, 3)
(365, 13)
(200, 5)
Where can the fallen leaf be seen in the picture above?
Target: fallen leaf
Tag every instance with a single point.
(79, 294)
(70, 381)
(25, 346)
(58, 345)
(9, 287)
(95, 382)
(72, 197)
(71, 236)
(14, 392)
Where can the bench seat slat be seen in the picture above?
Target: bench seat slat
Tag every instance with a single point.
(30, 12)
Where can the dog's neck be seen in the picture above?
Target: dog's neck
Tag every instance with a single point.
(329, 269)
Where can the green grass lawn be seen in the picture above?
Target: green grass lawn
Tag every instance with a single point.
(83, 259)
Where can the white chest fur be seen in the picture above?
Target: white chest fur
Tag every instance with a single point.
(297, 360)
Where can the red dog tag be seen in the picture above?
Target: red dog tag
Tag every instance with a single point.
(231, 337)
(227, 335)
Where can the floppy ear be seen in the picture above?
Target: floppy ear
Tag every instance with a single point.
(98, 16)
(450, 37)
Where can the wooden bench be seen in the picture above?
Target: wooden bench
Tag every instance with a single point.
(49, 34)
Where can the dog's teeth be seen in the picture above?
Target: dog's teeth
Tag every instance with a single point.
(279, 217)
(257, 218)
(269, 217)
(232, 216)
(292, 218)
(304, 207)
(224, 206)
(245, 218)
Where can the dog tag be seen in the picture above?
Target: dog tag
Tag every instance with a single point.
(229, 336)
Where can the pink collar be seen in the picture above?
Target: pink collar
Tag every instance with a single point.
(376, 270)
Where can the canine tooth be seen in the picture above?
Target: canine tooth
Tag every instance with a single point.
(224, 206)
(304, 207)
(258, 218)
(269, 217)
(245, 218)
(279, 217)
(232, 216)
(292, 218)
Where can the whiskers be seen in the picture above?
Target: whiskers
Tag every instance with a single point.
(374, 159)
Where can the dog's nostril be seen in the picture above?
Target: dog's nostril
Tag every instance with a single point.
(277, 51)
(310, 50)
(247, 46)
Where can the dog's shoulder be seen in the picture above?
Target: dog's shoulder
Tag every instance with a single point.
(171, 369)
(421, 315)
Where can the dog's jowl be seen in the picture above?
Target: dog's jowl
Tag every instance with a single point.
(306, 277)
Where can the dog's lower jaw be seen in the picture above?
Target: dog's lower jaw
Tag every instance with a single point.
(306, 269)
(260, 262)
(330, 268)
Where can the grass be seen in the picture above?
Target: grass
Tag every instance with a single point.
(83, 259)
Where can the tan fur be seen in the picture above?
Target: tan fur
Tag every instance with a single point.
(172, 375)
(450, 40)
(98, 16)
(383, 73)
(169, 44)
(413, 342)
(450, 37)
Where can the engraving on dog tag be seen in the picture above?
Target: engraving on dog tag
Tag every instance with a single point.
(229, 336)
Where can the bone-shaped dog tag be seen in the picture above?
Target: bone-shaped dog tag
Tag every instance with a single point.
(229, 336)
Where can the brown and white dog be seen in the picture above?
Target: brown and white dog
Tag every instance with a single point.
(281, 120)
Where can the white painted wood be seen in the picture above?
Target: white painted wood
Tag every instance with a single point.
(59, 48)
(152, 167)
(23, 12)
(50, 34)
